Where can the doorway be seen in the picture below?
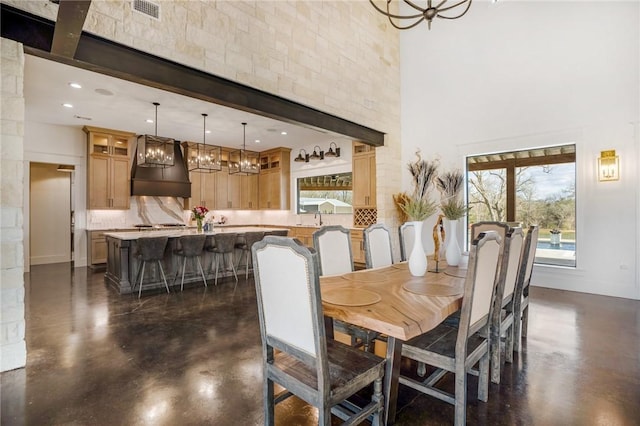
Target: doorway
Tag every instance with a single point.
(50, 213)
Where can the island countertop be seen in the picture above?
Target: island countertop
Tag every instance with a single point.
(175, 233)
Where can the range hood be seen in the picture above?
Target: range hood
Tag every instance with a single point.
(170, 181)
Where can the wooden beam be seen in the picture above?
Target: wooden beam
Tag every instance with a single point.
(114, 59)
(71, 17)
(523, 162)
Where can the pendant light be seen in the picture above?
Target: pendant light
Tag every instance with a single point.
(243, 161)
(155, 151)
(203, 158)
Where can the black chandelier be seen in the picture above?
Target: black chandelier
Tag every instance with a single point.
(425, 14)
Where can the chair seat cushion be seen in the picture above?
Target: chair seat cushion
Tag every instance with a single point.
(345, 365)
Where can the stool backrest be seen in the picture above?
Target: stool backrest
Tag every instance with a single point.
(151, 248)
(225, 242)
(251, 238)
(192, 245)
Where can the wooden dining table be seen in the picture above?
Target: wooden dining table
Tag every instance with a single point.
(391, 301)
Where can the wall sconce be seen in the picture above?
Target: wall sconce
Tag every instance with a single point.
(334, 151)
(317, 154)
(302, 158)
(608, 166)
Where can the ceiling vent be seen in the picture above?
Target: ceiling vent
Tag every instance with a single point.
(148, 8)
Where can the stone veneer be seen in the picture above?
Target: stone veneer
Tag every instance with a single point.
(13, 352)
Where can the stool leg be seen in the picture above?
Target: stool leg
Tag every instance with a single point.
(201, 271)
(141, 278)
(184, 264)
(163, 277)
(233, 268)
(217, 261)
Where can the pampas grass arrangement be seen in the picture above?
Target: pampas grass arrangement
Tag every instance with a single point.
(419, 206)
(450, 184)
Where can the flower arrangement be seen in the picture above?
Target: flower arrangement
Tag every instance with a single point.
(418, 206)
(199, 212)
(449, 184)
(555, 231)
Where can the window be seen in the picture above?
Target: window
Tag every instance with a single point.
(535, 186)
(327, 194)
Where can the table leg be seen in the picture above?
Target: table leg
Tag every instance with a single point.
(392, 378)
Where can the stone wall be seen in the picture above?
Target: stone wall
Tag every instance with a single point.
(12, 325)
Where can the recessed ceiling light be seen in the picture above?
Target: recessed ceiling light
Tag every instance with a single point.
(283, 133)
(149, 120)
(67, 105)
(75, 85)
(257, 140)
(208, 131)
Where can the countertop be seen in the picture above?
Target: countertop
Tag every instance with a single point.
(175, 233)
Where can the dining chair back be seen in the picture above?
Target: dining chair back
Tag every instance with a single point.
(150, 249)
(521, 295)
(406, 233)
(377, 246)
(502, 315)
(333, 245)
(458, 349)
(500, 227)
(296, 353)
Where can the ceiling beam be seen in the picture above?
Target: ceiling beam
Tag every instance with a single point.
(69, 23)
(107, 57)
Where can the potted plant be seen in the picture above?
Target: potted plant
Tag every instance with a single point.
(417, 207)
(198, 213)
(555, 236)
(453, 209)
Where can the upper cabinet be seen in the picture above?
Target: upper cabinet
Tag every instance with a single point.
(108, 168)
(275, 179)
(365, 210)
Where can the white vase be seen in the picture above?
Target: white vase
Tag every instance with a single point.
(453, 251)
(417, 258)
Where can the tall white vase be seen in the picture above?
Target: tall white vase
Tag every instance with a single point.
(417, 258)
(453, 252)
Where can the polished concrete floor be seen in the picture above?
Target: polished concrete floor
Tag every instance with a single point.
(194, 358)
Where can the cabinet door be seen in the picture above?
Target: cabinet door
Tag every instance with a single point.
(234, 191)
(372, 201)
(208, 190)
(249, 192)
(222, 190)
(357, 246)
(196, 190)
(99, 194)
(265, 190)
(120, 186)
(120, 146)
(361, 178)
(98, 249)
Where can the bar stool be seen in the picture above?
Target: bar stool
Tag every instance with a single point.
(190, 246)
(250, 238)
(225, 244)
(150, 249)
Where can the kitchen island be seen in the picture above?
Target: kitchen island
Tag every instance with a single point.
(123, 265)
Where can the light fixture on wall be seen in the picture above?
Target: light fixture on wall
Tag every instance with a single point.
(243, 161)
(155, 151)
(302, 158)
(317, 154)
(608, 166)
(203, 158)
(334, 150)
(424, 14)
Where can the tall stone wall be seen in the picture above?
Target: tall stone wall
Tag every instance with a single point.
(12, 325)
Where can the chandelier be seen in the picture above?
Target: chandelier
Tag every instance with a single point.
(203, 158)
(243, 161)
(154, 150)
(427, 13)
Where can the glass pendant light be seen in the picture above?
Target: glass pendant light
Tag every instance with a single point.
(243, 161)
(154, 150)
(203, 158)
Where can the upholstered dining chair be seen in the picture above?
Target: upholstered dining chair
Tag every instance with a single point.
(150, 249)
(459, 349)
(406, 233)
(333, 245)
(502, 316)
(190, 247)
(377, 246)
(521, 297)
(500, 227)
(296, 353)
(250, 238)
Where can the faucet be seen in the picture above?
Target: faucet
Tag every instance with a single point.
(318, 213)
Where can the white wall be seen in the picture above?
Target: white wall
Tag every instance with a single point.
(46, 143)
(516, 75)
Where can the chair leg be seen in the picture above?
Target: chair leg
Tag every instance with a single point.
(525, 320)
(163, 277)
(201, 271)
(141, 278)
(461, 396)
(269, 402)
(324, 415)
(184, 264)
(494, 349)
(483, 378)
(508, 345)
(246, 264)
(378, 417)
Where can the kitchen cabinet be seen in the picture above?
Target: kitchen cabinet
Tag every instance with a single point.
(221, 190)
(97, 248)
(234, 191)
(365, 211)
(274, 181)
(304, 234)
(203, 190)
(357, 247)
(108, 168)
(249, 192)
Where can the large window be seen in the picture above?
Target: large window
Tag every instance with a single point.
(327, 194)
(531, 187)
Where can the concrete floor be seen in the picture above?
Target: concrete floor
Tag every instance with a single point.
(191, 358)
